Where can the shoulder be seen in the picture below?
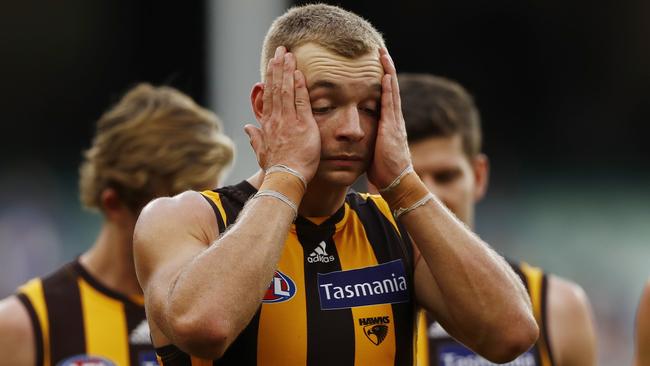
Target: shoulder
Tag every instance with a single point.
(643, 325)
(169, 225)
(16, 333)
(165, 215)
(567, 296)
(570, 323)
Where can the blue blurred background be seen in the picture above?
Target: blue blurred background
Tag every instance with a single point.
(563, 87)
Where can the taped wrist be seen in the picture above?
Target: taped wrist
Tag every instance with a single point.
(408, 195)
(287, 184)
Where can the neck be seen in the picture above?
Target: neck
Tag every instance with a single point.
(110, 260)
(320, 199)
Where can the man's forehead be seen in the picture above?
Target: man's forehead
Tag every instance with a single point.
(325, 68)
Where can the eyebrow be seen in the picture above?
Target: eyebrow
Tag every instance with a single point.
(323, 84)
(331, 85)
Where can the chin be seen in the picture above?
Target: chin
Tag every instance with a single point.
(338, 178)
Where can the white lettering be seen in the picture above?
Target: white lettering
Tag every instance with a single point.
(362, 287)
(327, 289)
(453, 359)
(277, 287)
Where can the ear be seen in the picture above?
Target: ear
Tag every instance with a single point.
(111, 204)
(257, 100)
(481, 169)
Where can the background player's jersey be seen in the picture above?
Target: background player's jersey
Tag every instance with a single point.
(78, 321)
(445, 351)
(342, 293)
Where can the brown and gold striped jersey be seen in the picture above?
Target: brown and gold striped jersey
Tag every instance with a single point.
(77, 321)
(342, 293)
(445, 351)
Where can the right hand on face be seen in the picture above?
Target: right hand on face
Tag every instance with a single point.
(288, 134)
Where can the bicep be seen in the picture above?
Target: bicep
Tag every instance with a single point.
(16, 334)
(169, 234)
(570, 324)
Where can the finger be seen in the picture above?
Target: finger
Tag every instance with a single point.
(389, 68)
(256, 140)
(288, 101)
(303, 103)
(278, 69)
(267, 98)
(387, 107)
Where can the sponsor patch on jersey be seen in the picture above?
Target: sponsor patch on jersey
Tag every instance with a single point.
(382, 284)
(86, 360)
(375, 328)
(282, 288)
(454, 354)
(147, 358)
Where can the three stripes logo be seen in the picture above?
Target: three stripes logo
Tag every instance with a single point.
(320, 254)
(375, 328)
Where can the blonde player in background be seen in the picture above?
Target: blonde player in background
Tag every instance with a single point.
(154, 142)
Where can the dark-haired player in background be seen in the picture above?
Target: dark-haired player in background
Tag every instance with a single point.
(444, 133)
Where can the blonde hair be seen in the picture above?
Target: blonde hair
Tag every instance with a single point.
(330, 27)
(155, 141)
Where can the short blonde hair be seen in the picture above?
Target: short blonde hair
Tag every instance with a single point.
(155, 141)
(330, 27)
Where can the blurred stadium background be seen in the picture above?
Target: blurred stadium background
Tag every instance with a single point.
(563, 86)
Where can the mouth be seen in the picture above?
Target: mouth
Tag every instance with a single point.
(343, 157)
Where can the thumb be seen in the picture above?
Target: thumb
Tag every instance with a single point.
(255, 136)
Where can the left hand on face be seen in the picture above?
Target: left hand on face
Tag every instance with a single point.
(391, 147)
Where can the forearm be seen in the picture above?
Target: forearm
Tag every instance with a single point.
(477, 285)
(462, 281)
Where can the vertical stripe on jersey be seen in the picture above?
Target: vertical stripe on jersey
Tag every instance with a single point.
(283, 325)
(215, 202)
(388, 245)
(324, 327)
(422, 346)
(34, 299)
(104, 324)
(135, 316)
(535, 279)
(355, 252)
(63, 283)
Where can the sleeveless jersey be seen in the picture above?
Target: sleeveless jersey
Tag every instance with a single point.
(445, 351)
(78, 321)
(342, 293)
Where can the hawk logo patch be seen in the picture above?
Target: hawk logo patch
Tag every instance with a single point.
(375, 328)
(376, 333)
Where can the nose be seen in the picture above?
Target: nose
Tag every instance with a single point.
(349, 127)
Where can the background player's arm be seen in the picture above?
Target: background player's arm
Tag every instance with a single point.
(463, 283)
(642, 341)
(570, 324)
(16, 334)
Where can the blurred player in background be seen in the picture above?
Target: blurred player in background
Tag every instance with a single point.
(444, 134)
(154, 142)
(642, 342)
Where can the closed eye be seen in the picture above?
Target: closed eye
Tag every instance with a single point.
(322, 110)
(447, 176)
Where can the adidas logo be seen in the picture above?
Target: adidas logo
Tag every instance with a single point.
(436, 331)
(140, 335)
(320, 254)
